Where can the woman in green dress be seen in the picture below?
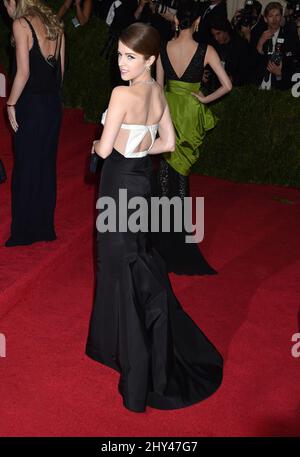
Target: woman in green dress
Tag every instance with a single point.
(180, 68)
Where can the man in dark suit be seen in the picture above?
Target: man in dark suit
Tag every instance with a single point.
(209, 11)
(272, 72)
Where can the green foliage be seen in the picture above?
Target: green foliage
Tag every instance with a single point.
(87, 83)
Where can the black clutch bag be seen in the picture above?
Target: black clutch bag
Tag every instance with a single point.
(94, 162)
(3, 176)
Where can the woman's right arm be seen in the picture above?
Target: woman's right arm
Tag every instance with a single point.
(115, 115)
(21, 36)
(62, 56)
(22, 57)
(167, 139)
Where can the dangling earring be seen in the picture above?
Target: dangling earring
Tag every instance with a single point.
(177, 28)
(196, 29)
(147, 68)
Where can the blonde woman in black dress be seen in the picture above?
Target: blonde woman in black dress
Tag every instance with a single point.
(34, 110)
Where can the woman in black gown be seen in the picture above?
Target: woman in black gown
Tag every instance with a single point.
(34, 110)
(137, 325)
(180, 68)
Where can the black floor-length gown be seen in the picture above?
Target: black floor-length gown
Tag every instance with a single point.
(186, 258)
(137, 325)
(38, 113)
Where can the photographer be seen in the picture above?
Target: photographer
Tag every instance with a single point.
(277, 51)
(161, 16)
(83, 10)
(249, 22)
(234, 52)
(292, 15)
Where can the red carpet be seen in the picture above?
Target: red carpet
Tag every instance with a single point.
(250, 310)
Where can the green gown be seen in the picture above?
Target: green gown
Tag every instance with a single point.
(191, 120)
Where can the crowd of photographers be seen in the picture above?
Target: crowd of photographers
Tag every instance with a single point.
(257, 46)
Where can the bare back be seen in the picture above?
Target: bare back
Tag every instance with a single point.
(47, 47)
(180, 53)
(145, 106)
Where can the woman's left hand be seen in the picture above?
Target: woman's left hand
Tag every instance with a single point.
(11, 112)
(201, 97)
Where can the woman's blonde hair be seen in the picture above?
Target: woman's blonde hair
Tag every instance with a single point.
(37, 8)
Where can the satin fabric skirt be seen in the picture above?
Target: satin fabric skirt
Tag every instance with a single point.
(137, 325)
(191, 120)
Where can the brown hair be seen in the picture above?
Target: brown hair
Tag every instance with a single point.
(141, 38)
(273, 6)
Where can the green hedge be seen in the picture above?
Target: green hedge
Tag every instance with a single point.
(257, 138)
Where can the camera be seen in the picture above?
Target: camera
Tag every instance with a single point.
(276, 57)
(162, 6)
(246, 18)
